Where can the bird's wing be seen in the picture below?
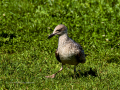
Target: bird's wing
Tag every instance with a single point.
(80, 55)
(57, 55)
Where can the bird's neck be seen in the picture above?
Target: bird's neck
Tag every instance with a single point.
(62, 39)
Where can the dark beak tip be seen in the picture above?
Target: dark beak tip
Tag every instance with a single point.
(51, 35)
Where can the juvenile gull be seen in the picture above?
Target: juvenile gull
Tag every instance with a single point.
(68, 51)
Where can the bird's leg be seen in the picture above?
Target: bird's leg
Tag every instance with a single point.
(74, 71)
(53, 75)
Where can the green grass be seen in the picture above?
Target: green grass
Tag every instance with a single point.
(27, 56)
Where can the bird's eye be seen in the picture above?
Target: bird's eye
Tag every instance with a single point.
(58, 30)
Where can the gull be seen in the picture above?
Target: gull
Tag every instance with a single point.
(68, 51)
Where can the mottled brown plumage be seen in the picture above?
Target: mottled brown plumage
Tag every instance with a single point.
(68, 51)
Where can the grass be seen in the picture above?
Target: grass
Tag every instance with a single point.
(27, 56)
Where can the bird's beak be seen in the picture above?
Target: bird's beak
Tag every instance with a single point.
(51, 35)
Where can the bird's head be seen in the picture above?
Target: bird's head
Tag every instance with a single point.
(59, 30)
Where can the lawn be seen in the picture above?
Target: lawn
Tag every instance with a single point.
(27, 55)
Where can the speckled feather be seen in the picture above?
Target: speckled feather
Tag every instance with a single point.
(69, 52)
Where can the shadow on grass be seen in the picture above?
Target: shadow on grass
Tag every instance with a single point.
(6, 35)
(114, 59)
(82, 74)
(86, 73)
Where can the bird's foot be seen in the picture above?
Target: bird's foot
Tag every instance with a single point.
(76, 75)
(51, 76)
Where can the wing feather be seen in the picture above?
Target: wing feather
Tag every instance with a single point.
(80, 55)
(57, 55)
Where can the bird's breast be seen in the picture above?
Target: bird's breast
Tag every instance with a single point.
(65, 52)
(67, 56)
